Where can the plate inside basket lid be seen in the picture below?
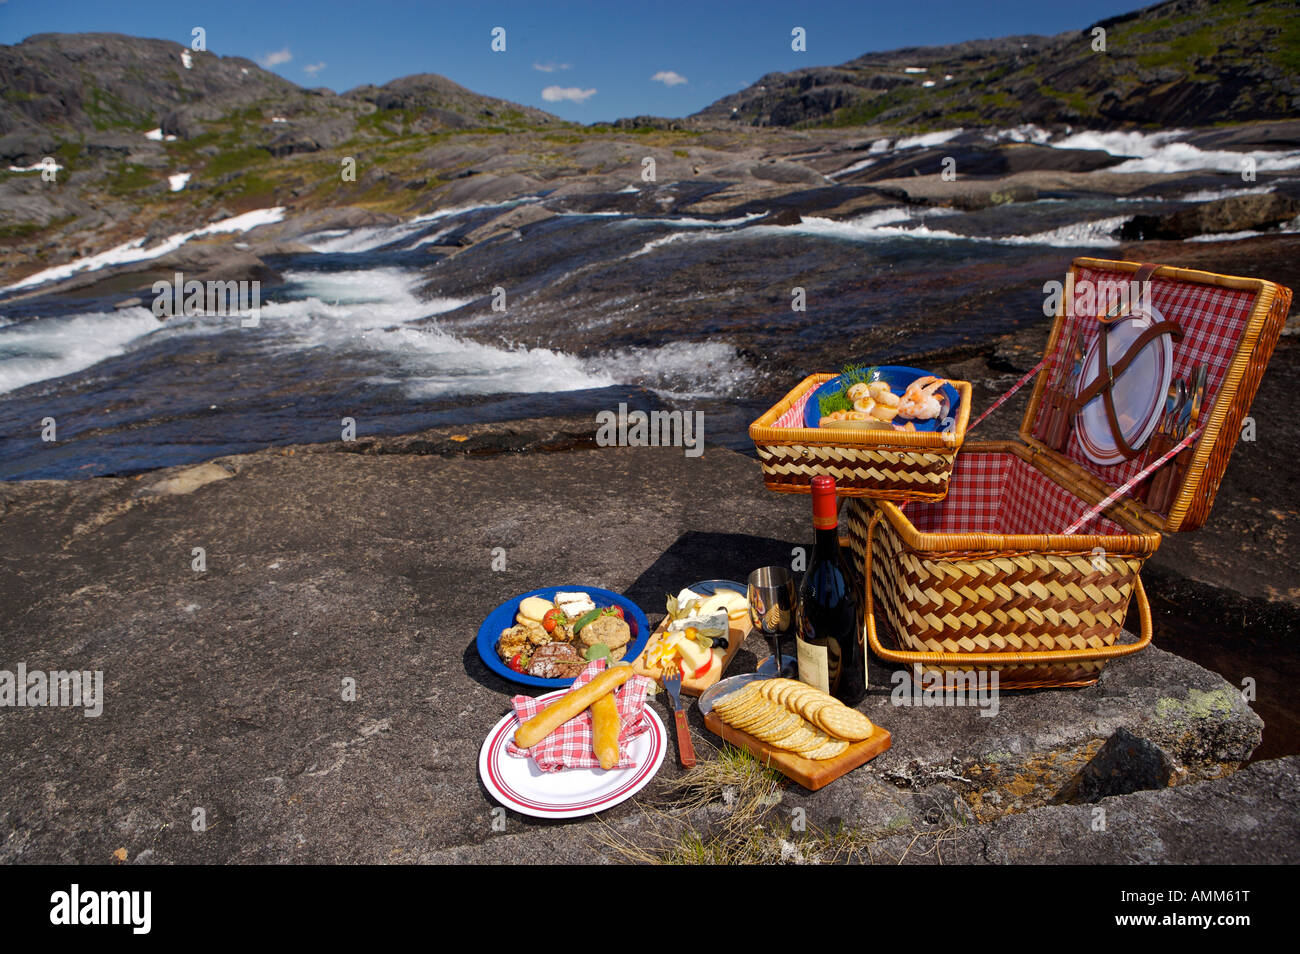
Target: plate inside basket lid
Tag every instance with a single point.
(1139, 392)
(898, 378)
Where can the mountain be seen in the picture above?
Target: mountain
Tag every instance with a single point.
(1179, 63)
(152, 139)
(95, 87)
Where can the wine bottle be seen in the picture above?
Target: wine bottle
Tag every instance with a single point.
(828, 638)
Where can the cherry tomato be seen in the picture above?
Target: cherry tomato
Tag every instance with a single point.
(517, 663)
(618, 611)
(552, 619)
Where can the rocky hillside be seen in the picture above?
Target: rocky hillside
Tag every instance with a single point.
(150, 136)
(99, 90)
(1179, 63)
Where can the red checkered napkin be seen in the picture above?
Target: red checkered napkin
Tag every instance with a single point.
(569, 746)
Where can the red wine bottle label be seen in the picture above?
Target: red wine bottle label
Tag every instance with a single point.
(814, 666)
(825, 516)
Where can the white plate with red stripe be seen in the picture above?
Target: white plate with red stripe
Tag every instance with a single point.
(570, 793)
(1139, 392)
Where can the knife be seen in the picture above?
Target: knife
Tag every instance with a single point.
(1198, 393)
(1185, 414)
(672, 681)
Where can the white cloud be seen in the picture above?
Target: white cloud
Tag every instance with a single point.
(552, 67)
(668, 78)
(311, 69)
(272, 60)
(555, 94)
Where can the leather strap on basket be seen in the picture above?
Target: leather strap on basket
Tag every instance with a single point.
(1104, 382)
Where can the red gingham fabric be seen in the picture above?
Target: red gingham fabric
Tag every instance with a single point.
(1000, 493)
(1213, 321)
(569, 746)
(794, 416)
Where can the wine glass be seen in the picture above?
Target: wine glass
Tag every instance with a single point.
(771, 610)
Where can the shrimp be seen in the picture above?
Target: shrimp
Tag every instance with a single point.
(859, 391)
(918, 401)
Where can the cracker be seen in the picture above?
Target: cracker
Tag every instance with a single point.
(845, 723)
(816, 741)
(829, 750)
(779, 727)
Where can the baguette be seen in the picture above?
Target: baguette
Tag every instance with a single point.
(569, 705)
(605, 725)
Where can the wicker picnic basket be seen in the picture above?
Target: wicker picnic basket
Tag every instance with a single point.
(1028, 565)
(884, 464)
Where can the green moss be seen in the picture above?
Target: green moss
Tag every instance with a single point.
(999, 100)
(1075, 100)
(1198, 704)
(128, 178)
(110, 111)
(68, 154)
(19, 231)
(234, 160)
(866, 111)
(26, 229)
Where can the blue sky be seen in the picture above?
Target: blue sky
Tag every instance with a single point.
(601, 57)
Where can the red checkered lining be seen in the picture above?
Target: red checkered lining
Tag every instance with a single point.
(569, 746)
(1000, 493)
(794, 416)
(1213, 320)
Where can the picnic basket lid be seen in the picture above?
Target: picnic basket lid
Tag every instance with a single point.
(1229, 324)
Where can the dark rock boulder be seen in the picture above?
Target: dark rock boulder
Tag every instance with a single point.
(1239, 213)
(25, 147)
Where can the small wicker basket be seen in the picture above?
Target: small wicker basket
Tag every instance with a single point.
(884, 464)
(989, 579)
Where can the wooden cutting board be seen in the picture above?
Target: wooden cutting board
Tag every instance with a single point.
(736, 634)
(811, 774)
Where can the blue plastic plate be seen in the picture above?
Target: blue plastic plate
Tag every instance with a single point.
(503, 617)
(898, 379)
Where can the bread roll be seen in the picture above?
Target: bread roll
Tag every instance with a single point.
(569, 705)
(605, 725)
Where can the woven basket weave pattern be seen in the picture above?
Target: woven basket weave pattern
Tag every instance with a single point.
(899, 475)
(1027, 602)
(885, 464)
(966, 603)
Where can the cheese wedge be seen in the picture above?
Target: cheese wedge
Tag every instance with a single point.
(693, 654)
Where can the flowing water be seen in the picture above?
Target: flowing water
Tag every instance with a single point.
(381, 325)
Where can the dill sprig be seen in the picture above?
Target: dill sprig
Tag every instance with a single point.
(850, 375)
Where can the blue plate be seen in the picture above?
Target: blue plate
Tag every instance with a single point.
(503, 617)
(898, 379)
